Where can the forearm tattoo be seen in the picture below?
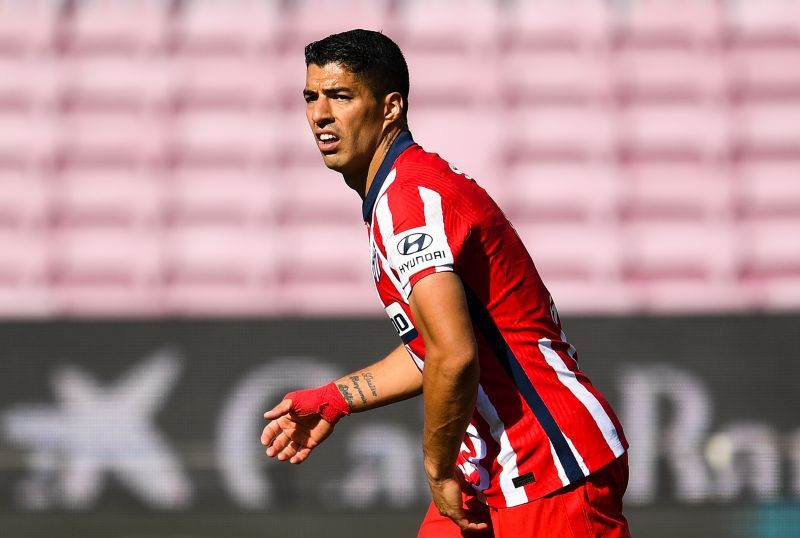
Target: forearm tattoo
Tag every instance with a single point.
(345, 390)
(368, 377)
(354, 379)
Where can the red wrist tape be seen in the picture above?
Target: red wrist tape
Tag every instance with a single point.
(325, 401)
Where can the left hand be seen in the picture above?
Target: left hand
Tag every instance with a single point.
(447, 498)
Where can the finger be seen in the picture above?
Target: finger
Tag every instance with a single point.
(301, 456)
(288, 451)
(271, 431)
(474, 527)
(278, 445)
(279, 410)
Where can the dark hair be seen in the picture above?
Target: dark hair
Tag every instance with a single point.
(374, 58)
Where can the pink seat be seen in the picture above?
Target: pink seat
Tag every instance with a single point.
(28, 134)
(767, 21)
(761, 71)
(26, 301)
(439, 75)
(565, 24)
(25, 202)
(676, 295)
(27, 26)
(562, 190)
(645, 72)
(102, 199)
(117, 83)
(209, 27)
(328, 297)
(318, 250)
(308, 21)
(106, 272)
(695, 128)
(312, 193)
(588, 129)
(246, 132)
(28, 84)
(244, 81)
(769, 124)
(573, 250)
(680, 249)
(678, 22)
(449, 132)
(769, 246)
(24, 258)
(127, 27)
(770, 188)
(203, 298)
(591, 296)
(677, 190)
(232, 198)
(115, 133)
(442, 24)
(555, 74)
(778, 293)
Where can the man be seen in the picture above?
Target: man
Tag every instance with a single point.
(516, 440)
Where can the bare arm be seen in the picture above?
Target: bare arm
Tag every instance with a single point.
(450, 382)
(392, 379)
(292, 436)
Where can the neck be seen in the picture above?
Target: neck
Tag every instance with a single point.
(362, 181)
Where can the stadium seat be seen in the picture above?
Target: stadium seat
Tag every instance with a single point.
(24, 257)
(219, 269)
(208, 27)
(117, 83)
(234, 198)
(644, 73)
(583, 24)
(760, 72)
(777, 293)
(769, 124)
(312, 193)
(143, 135)
(28, 135)
(97, 26)
(562, 190)
(573, 250)
(469, 139)
(555, 74)
(27, 83)
(434, 25)
(27, 27)
(764, 22)
(677, 190)
(25, 201)
(675, 23)
(674, 249)
(564, 128)
(676, 295)
(701, 129)
(769, 188)
(230, 81)
(769, 246)
(591, 296)
(447, 78)
(328, 297)
(309, 20)
(323, 250)
(106, 272)
(103, 199)
(247, 132)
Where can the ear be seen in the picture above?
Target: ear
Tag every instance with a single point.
(393, 106)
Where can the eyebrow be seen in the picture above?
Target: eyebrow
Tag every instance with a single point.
(328, 91)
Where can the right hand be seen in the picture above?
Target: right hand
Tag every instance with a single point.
(290, 436)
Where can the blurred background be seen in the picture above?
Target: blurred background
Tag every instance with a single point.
(174, 256)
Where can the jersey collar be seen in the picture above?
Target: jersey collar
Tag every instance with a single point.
(400, 144)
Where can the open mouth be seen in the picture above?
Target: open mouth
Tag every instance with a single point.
(327, 142)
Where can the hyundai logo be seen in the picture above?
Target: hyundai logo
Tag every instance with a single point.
(414, 243)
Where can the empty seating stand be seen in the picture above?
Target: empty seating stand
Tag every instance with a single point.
(155, 158)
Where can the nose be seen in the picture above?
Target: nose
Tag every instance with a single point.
(320, 112)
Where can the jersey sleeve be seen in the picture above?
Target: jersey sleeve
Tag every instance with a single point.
(420, 234)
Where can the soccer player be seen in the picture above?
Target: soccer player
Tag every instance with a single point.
(516, 440)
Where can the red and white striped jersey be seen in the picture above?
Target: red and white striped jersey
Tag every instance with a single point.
(539, 424)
